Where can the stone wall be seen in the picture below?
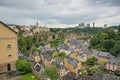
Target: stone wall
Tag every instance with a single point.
(38, 75)
(3, 67)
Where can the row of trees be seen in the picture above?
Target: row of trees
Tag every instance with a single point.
(107, 40)
(90, 30)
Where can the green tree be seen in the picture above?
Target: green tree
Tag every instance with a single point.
(22, 44)
(103, 35)
(91, 71)
(62, 55)
(117, 73)
(116, 49)
(23, 66)
(91, 61)
(103, 62)
(107, 41)
(56, 42)
(29, 76)
(108, 44)
(95, 40)
(55, 55)
(25, 44)
(111, 33)
(119, 29)
(52, 72)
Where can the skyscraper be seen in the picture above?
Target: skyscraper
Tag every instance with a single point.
(36, 24)
(88, 25)
(105, 25)
(82, 25)
(93, 24)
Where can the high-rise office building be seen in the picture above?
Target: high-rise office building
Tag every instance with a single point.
(105, 25)
(93, 24)
(88, 25)
(36, 24)
(82, 25)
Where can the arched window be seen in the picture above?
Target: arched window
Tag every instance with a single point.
(9, 46)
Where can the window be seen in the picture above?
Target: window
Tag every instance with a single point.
(113, 68)
(9, 46)
(109, 66)
(9, 55)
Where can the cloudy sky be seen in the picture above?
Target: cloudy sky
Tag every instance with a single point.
(60, 13)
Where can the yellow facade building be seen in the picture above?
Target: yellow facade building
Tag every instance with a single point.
(8, 48)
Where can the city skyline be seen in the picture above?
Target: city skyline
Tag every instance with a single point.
(61, 13)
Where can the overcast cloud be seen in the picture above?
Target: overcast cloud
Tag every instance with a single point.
(60, 13)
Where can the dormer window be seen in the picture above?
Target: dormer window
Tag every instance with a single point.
(9, 46)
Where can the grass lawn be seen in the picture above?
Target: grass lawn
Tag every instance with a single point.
(29, 76)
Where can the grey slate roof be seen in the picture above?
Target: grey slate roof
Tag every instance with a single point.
(98, 76)
(44, 49)
(62, 46)
(47, 56)
(84, 77)
(36, 53)
(58, 60)
(69, 76)
(82, 55)
(115, 61)
(66, 48)
(75, 42)
(59, 66)
(102, 54)
(37, 67)
(72, 61)
(94, 52)
(101, 76)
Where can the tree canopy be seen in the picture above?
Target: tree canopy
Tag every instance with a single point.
(108, 41)
(91, 61)
(52, 72)
(90, 30)
(62, 55)
(23, 66)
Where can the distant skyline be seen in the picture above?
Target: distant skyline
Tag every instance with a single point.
(60, 13)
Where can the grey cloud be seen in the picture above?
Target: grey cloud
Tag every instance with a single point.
(64, 18)
(105, 2)
(20, 4)
(61, 11)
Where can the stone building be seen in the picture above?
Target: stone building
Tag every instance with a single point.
(36, 57)
(72, 64)
(8, 48)
(113, 64)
